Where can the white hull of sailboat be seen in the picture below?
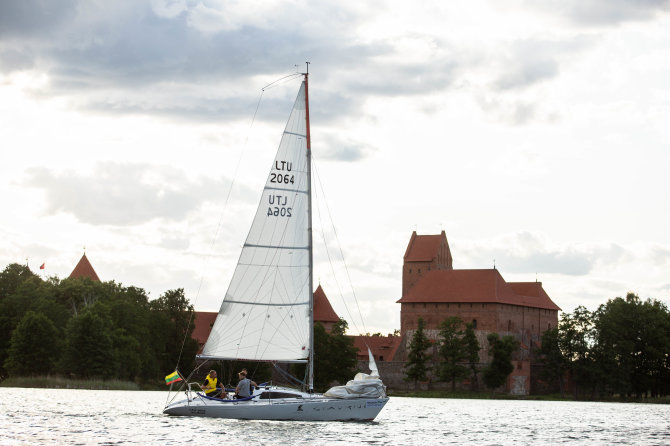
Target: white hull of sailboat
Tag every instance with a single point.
(316, 408)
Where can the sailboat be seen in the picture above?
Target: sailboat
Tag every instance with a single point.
(267, 312)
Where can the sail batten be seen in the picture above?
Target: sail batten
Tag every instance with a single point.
(296, 134)
(269, 304)
(265, 314)
(275, 246)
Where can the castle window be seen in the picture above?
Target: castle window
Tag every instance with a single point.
(549, 326)
(474, 323)
(509, 325)
(381, 358)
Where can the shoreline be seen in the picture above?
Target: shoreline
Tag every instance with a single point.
(500, 396)
(57, 382)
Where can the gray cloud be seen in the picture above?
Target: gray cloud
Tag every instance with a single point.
(525, 63)
(527, 73)
(511, 111)
(123, 194)
(335, 148)
(606, 12)
(141, 58)
(28, 18)
(12, 60)
(528, 254)
(660, 255)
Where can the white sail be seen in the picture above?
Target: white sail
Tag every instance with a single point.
(265, 312)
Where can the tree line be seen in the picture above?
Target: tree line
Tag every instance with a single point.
(620, 349)
(84, 329)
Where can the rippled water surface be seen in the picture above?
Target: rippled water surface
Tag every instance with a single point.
(53, 416)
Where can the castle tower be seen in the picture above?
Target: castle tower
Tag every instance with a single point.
(84, 269)
(425, 253)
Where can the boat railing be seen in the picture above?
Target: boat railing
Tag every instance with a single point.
(190, 392)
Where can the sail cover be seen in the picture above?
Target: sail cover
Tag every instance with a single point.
(265, 313)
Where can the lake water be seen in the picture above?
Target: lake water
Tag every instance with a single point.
(54, 416)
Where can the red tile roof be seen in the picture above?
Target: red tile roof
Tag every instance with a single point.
(323, 311)
(477, 285)
(84, 269)
(384, 346)
(423, 248)
(202, 323)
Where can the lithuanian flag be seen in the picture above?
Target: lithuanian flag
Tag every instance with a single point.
(172, 378)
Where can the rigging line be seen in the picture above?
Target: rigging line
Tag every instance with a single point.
(346, 267)
(281, 80)
(218, 227)
(330, 261)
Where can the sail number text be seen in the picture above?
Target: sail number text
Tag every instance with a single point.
(278, 206)
(278, 203)
(282, 179)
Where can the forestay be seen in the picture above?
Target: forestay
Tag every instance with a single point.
(265, 312)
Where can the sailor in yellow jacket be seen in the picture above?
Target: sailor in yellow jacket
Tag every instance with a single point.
(211, 386)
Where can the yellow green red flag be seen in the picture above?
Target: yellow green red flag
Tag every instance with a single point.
(172, 378)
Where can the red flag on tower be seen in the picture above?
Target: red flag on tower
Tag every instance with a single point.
(42, 267)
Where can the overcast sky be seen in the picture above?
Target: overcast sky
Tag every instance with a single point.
(535, 133)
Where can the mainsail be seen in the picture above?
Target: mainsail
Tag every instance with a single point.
(265, 314)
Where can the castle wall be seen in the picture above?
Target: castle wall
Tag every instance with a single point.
(484, 316)
(525, 322)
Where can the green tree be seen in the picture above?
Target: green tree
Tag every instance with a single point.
(472, 353)
(452, 351)
(417, 358)
(89, 352)
(633, 344)
(497, 372)
(576, 341)
(19, 289)
(12, 276)
(171, 330)
(34, 346)
(552, 358)
(132, 340)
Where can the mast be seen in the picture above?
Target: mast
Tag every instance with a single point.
(309, 237)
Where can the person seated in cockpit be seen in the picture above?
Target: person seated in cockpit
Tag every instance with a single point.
(243, 389)
(212, 386)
